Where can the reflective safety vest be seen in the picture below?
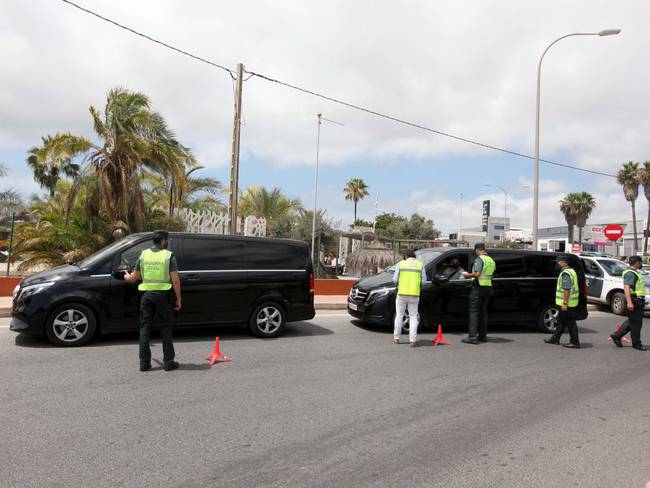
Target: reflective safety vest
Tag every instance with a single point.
(489, 267)
(410, 277)
(574, 294)
(639, 286)
(154, 267)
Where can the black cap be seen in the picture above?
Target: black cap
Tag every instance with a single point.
(563, 257)
(159, 235)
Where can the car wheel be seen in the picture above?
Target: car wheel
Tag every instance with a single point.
(267, 320)
(547, 321)
(406, 324)
(617, 303)
(71, 325)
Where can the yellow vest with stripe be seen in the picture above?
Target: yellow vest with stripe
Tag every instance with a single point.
(154, 267)
(639, 285)
(410, 277)
(489, 266)
(574, 294)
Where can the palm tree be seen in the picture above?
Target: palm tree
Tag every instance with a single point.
(134, 140)
(628, 177)
(644, 179)
(584, 205)
(355, 190)
(272, 205)
(55, 159)
(567, 207)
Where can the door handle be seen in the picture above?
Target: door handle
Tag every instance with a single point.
(191, 277)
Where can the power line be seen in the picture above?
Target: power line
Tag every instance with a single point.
(133, 31)
(422, 127)
(335, 100)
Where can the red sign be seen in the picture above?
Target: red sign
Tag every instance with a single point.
(575, 249)
(613, 232)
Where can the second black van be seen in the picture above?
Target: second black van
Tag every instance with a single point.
(260, 282)
(524, 290)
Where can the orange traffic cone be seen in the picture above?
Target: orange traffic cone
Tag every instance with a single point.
(216, 354)
(439, 339)
(624, 339)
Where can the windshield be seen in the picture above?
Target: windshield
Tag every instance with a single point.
(613, 267)
(104, 253)
(425, 256)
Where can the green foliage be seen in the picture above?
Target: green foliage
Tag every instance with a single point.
(362, 223)
(355, 190)
(577, 207)
(299, 226)
(273, 205)
(399, 227)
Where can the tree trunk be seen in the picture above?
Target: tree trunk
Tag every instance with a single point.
(580, 237)
(647, 230)
(355, 213)
(636, 245)
(570, 234)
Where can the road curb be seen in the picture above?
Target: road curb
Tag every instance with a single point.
(330, 306)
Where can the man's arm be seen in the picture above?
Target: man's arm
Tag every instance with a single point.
(476, 272)
(396, 274)
(628, 297)
(424, 275)
(130, 277)
(176, 283)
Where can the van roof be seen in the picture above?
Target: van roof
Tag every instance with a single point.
(278, 240)
(494, 251)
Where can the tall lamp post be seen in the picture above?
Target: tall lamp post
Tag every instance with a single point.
(603, 33)
(314, 255)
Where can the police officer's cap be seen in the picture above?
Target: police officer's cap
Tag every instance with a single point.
(563, 257)
(159, 235)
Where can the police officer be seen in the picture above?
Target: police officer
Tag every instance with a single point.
(635, 296)
(409, 276)
(482, 271)
(567, 297)
(159, 273)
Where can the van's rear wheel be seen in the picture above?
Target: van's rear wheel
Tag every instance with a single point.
(617, 303)
(548, 317)
(267, 320)
(70, 325)
(406, 324)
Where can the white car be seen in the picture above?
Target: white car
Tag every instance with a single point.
(605, 283)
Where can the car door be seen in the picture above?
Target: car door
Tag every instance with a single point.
(213, 279)
(595, 279)
(447, 301)
(506, 303)
(125, 297)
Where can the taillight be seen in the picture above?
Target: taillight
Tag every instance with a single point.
(312, 283)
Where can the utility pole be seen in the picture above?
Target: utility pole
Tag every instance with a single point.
(460, 220)
(234, 161)
(11, 241)
(314, 253)
(374, 223)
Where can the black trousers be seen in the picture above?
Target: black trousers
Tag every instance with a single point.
(156, 310)
(634, 322)
(567, 320)
(479, 298)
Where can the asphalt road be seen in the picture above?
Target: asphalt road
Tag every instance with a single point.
(329, 404)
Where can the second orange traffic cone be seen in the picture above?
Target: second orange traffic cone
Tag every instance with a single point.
(216, 354)
(440, 339)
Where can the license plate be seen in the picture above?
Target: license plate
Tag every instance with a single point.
(352, 306)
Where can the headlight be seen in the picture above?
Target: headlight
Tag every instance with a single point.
(28, 291)
(14, 294)
(381, 292)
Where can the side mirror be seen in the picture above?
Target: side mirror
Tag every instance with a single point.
(120, 271)
(440, 279)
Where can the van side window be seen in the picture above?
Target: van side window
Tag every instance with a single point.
(272, 255)
(509, 265)
(443, 268)
(540, 266)
(130, 256)
(592, 268)
(211, 254)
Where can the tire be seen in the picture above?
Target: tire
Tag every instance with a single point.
(617, 303)
(406, 325)
(267, 320)
(547, 320)
(71, 325)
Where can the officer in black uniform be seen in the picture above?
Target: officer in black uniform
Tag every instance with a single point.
(158, 271)
(635, 297)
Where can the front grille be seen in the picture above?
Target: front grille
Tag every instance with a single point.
(358, 295)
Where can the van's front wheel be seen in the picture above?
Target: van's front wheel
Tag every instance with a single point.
(547, 321)
(267, 320)
(71, 325)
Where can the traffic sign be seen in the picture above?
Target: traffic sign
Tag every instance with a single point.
(613, 232)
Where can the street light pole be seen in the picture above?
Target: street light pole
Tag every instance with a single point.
(603, 33)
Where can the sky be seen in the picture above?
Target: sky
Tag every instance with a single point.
(466, 67)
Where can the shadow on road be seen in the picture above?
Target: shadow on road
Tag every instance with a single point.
(181, 335)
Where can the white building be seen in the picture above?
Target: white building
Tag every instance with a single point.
(593, 239)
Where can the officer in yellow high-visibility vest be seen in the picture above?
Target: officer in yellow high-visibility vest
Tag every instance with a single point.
(567, 297)
(479, 297)
(158, 271)
(409, 276)
(635, 298)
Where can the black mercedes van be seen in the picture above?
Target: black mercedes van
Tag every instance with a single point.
(523, 290)
(261, 282)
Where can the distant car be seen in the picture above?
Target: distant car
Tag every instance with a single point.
(595, 254)
(524, 290)
(605, 283)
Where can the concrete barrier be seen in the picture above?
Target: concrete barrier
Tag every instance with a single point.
(333, 287)
(7, 284)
